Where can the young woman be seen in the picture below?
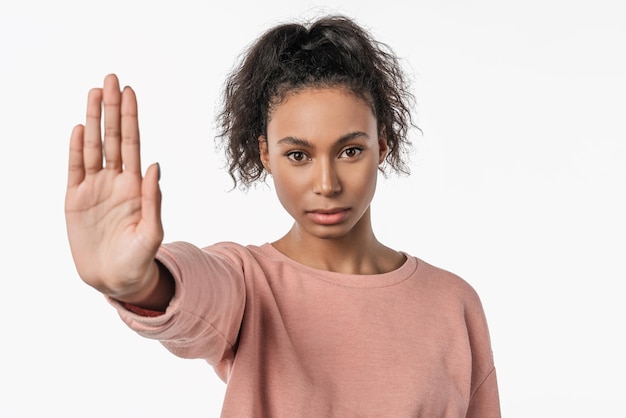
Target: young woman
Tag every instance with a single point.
(327, 321)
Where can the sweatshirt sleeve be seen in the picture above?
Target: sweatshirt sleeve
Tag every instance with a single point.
(204, 316)
(484, 400)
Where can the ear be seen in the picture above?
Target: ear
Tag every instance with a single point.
(383, 148)
(264, 153)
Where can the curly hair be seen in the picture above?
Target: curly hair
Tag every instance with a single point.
(332, 51)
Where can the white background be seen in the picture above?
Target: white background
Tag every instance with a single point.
(517, 185)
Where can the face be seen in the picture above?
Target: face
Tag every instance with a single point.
(323, 152)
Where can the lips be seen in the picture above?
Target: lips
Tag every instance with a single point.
(328, 216)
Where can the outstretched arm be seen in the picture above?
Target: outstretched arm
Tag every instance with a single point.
(113, 215)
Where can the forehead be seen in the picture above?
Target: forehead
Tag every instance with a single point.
(313, 110)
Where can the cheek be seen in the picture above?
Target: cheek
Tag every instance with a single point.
(369, 186)
(363, 179)
(288, 189)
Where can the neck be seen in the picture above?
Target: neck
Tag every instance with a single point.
(358, 252)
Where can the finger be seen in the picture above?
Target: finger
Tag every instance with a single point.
(92, 139)
(112, 129)
(151, 203)
(130, 132)
(76, 166)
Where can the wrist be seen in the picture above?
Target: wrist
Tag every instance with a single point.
(156, 292)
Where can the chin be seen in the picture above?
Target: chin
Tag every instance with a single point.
(329, 232)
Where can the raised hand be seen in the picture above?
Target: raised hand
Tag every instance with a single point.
(113, 215)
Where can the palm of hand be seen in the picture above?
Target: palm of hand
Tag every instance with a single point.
(112, 213)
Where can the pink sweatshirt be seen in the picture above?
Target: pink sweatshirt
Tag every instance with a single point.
(294, 341)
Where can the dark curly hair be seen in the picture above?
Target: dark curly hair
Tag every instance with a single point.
(329, 52)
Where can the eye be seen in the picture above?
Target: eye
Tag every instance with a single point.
(296, 156)
(351, 152)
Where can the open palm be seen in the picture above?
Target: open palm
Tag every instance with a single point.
(112, 213)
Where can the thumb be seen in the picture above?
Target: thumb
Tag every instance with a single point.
(151, 201)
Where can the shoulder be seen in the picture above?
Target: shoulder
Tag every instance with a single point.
(446, 284)
(229, 247)
(438, 276)
(458, 299)
(185, 253)
(235, 252)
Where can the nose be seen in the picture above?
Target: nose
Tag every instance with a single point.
(326, 181)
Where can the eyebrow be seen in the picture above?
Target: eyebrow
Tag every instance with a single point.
(292, 140)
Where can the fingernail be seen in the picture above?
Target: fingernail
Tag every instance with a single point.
(159, 171)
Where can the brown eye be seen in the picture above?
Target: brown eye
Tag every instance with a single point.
(351, 152)
(296, 156)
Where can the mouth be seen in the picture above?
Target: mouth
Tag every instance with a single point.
(331, 216)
